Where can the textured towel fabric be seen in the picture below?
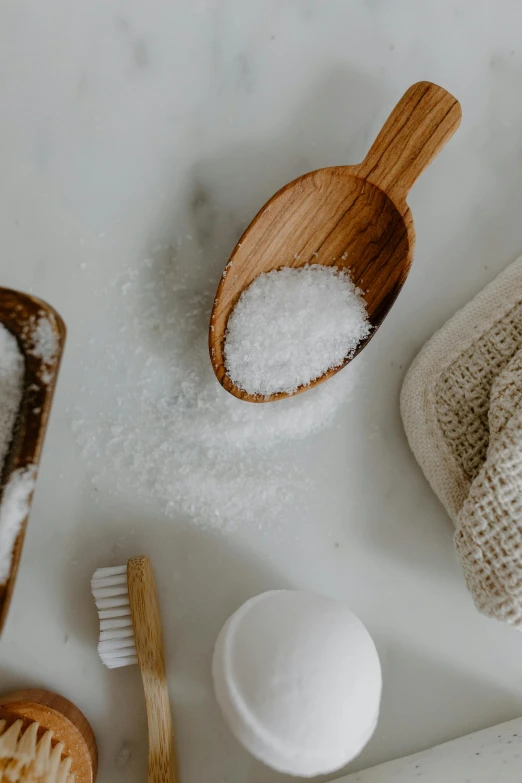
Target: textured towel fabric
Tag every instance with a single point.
(461, 404)
(489, 532)
(506, 396)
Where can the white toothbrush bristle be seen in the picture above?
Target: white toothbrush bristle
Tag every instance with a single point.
(109, 588)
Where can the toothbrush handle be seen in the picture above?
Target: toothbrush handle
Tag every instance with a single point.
(149, 646)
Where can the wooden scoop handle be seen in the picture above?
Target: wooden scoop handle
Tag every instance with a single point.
(149, 646)
(423, 121)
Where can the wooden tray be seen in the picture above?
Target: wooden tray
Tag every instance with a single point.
(20, 314)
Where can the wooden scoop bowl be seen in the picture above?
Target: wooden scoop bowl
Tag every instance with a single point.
(353, 217)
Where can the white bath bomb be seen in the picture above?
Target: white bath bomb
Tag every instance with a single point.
(298, 680)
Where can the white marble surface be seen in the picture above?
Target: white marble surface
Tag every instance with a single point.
(113, 115)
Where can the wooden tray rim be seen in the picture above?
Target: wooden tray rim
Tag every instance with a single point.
(19, 313)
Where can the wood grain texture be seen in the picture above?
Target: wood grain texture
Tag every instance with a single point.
(149, 646)
(60, 715)
(423, 121)
(17, 312)
(352, 217)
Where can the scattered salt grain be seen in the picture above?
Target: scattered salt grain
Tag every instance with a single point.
(44, 341)
(11, 378)
(290, 326)
(13, 510)
(45, 345)
(176, 439)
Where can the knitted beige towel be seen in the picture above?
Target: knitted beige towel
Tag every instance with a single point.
(505, 397)
(464, 382)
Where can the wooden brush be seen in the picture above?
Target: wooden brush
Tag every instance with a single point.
(130, 632)
(44, 739)
(24, 757)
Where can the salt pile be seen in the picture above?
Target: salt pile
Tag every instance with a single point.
(13, 510)
(14, 505)
(11, 378)
(45, 346)
(44, 340)
(291, 326)
(168, 432)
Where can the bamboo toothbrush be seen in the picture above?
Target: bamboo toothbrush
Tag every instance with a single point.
(130, 632)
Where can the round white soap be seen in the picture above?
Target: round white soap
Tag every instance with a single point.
(298, 680)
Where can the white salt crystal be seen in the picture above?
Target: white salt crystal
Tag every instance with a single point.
(13, 510)
(44, 341)
(290, 326)
(11, 379)
(177, 438)
(45, 345)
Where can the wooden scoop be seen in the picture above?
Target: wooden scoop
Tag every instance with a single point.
(346, 216)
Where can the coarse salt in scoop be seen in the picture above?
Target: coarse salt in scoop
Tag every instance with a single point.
(290, 326)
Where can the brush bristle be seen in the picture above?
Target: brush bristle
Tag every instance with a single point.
(23, 757)
(109, 588)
